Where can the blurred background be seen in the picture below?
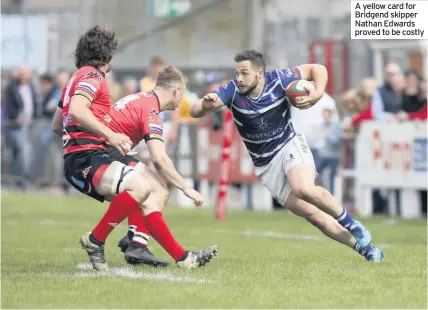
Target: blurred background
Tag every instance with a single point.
(368, 133)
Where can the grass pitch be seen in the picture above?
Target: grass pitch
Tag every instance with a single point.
(266, 260)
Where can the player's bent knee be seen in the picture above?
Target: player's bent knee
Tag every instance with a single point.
(150, 205)
(137, 187)
(305, 193)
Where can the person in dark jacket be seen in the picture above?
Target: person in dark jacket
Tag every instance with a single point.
(386, 101)
(50, 95)
(411, 100)
(22, 107)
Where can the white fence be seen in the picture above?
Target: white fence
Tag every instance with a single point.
(391, 156)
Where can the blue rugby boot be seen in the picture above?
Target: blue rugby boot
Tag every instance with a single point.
(361, 234)
(370, 253)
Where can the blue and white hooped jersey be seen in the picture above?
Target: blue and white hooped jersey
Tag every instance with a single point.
(263, 122)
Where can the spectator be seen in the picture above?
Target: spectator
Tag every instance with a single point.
(169, 118)
(329, 152)
(50, 95)
(129, 86)
(114, 87)
(348, 106)
(420, 114)
(387, 99)
(411, 100)
(157, 64)
(364, 106)
(61, 78)
(22, 107)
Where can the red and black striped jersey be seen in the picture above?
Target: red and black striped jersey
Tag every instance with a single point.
(90, 83)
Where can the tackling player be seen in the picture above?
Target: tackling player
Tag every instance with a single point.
(83, 118)
(283, 161)
(138, 117)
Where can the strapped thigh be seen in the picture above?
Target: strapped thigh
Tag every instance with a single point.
(121, 173)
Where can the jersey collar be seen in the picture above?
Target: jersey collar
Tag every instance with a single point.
(157, 99)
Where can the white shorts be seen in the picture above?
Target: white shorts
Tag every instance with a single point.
(274, 175)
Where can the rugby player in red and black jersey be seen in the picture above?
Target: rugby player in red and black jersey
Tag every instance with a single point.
(137, 116)
(99, 172)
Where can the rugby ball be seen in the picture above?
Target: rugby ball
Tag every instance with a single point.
(296, 92)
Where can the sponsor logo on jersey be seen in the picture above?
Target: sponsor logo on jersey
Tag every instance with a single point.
(264, 135)
(67, 120)
(95, 75)
(303, 144)
(262, 125)
(290, 159)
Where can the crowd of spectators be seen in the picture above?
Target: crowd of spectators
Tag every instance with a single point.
(34, 152)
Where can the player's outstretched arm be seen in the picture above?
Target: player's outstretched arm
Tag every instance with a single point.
(57, 122)
(164, 165)
(79, 111)
(207, 104)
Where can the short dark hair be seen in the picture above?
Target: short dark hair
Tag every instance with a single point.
(157, 60)
(170, 76)
(47, 77)
(95, 48)
(253, 56)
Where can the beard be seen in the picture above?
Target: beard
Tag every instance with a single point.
(250, 88)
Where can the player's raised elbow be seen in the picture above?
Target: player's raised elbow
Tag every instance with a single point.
(308, 71)
(194, 110)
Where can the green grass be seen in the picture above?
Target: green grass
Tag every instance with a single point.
(263, 262)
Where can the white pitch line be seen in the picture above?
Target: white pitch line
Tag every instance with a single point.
(86, 271)
(128, 272)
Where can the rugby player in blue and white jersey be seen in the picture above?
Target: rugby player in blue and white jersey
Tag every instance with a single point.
(283, 161)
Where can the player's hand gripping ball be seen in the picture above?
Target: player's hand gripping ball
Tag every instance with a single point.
(297, 93)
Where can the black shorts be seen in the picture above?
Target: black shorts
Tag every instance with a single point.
(84, 169)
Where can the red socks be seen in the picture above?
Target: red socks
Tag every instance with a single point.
(120, 207)
(160, 231)
(124, 205)
(138, 227)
